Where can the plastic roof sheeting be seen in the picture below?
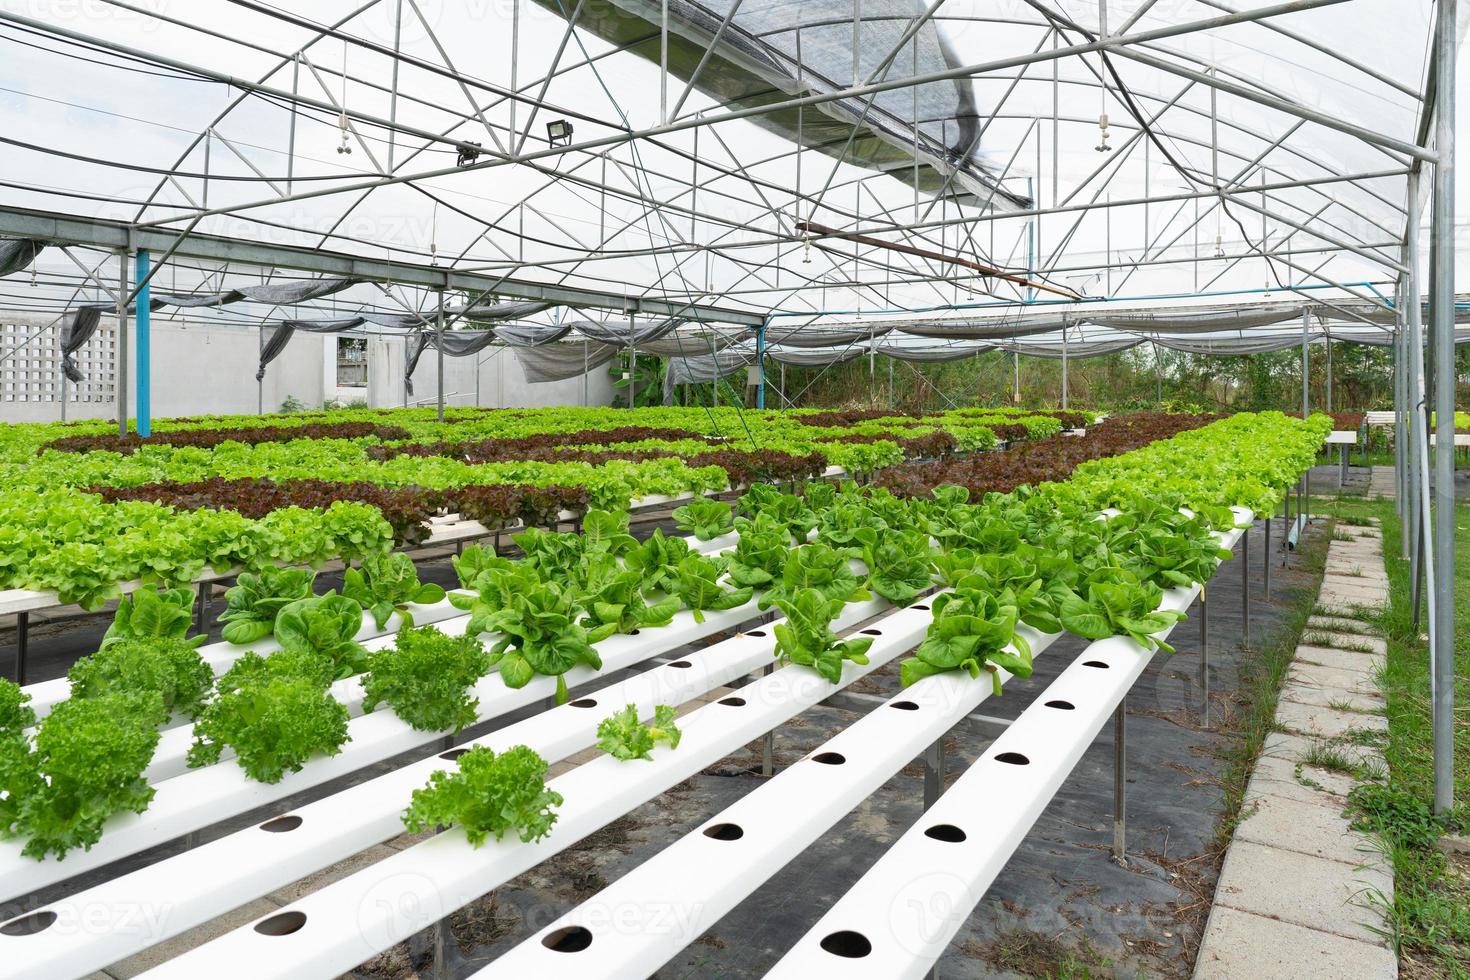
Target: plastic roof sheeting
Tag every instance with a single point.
(702, 210)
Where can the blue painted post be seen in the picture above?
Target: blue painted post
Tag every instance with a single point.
(145, 357)
(760, 360)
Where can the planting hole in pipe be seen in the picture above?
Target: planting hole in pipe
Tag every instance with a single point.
(872, 632)
(453, 754)
(584, 703)
(634, 631)
(946, 832)
(282, 924)
(29, 925)
(1095, 663)
(567, 939)
(905, 706)
(1061, 705)
(920, 605)
(281, 824)
(1013, 759)
(756, 633)
(681, 664)
(830, 758)
(733, 702)
(724, 831)
(847, 944)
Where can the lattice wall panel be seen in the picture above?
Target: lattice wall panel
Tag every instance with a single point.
(31, 367)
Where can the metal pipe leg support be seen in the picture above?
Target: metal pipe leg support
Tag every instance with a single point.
(1245, 587)
(22, 643)
(768, 743)
(1120, 783)
(1266, 562)
(934, 772)
(1204, 654)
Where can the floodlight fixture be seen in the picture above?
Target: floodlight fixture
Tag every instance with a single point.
(468, 154)
(559, 132)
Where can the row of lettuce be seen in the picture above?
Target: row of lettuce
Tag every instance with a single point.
(79, 522)
(1038, 556)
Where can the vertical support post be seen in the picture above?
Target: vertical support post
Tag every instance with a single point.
(1120, 782)
(260, 380)
(1266, 561)
(1442, 307)
(760, 363)
(1204, 654)
(1328, 408)
(1158, 377)
(633, 345)
(768, 740)
(120, 364)
(1064, 367)
(1400, 401)
(663, 62)
(22, 644)
(1245, 587)
(1306, 338)
(872, 364)
(439, 345)
(144, 349)
(1412, 361)
(934, 772)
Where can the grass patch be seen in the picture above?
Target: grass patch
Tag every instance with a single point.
(1429, 913)
(1329, 757)
(1333, 643)
(1032, 954)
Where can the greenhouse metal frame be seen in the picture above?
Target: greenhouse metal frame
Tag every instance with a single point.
(717, 194)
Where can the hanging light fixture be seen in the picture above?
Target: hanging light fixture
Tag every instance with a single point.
(559, 132)
(1103, 134)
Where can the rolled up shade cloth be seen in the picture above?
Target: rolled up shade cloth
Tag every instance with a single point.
(17, 253)
(561, 361)
(77, 328)
(500, 311)
(285, 329)
(821, 335)
(457, 343)
(531, 334)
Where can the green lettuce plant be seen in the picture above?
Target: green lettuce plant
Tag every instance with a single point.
(540, 635)
(624, 737)
(87, 765)
(699, 588)
(387, 584)
(426, 677)
(149, 614)
(487, 794)
(276, 714)
(325, 625)
(971, 631)
(169, 667)
(256, 598)
(1113, 602)
(706, 519)
(806, 638)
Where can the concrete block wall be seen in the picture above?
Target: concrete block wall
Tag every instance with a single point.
(202, 367)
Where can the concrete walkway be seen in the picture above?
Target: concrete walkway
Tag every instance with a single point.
(1293, 898)
(1382, 483)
